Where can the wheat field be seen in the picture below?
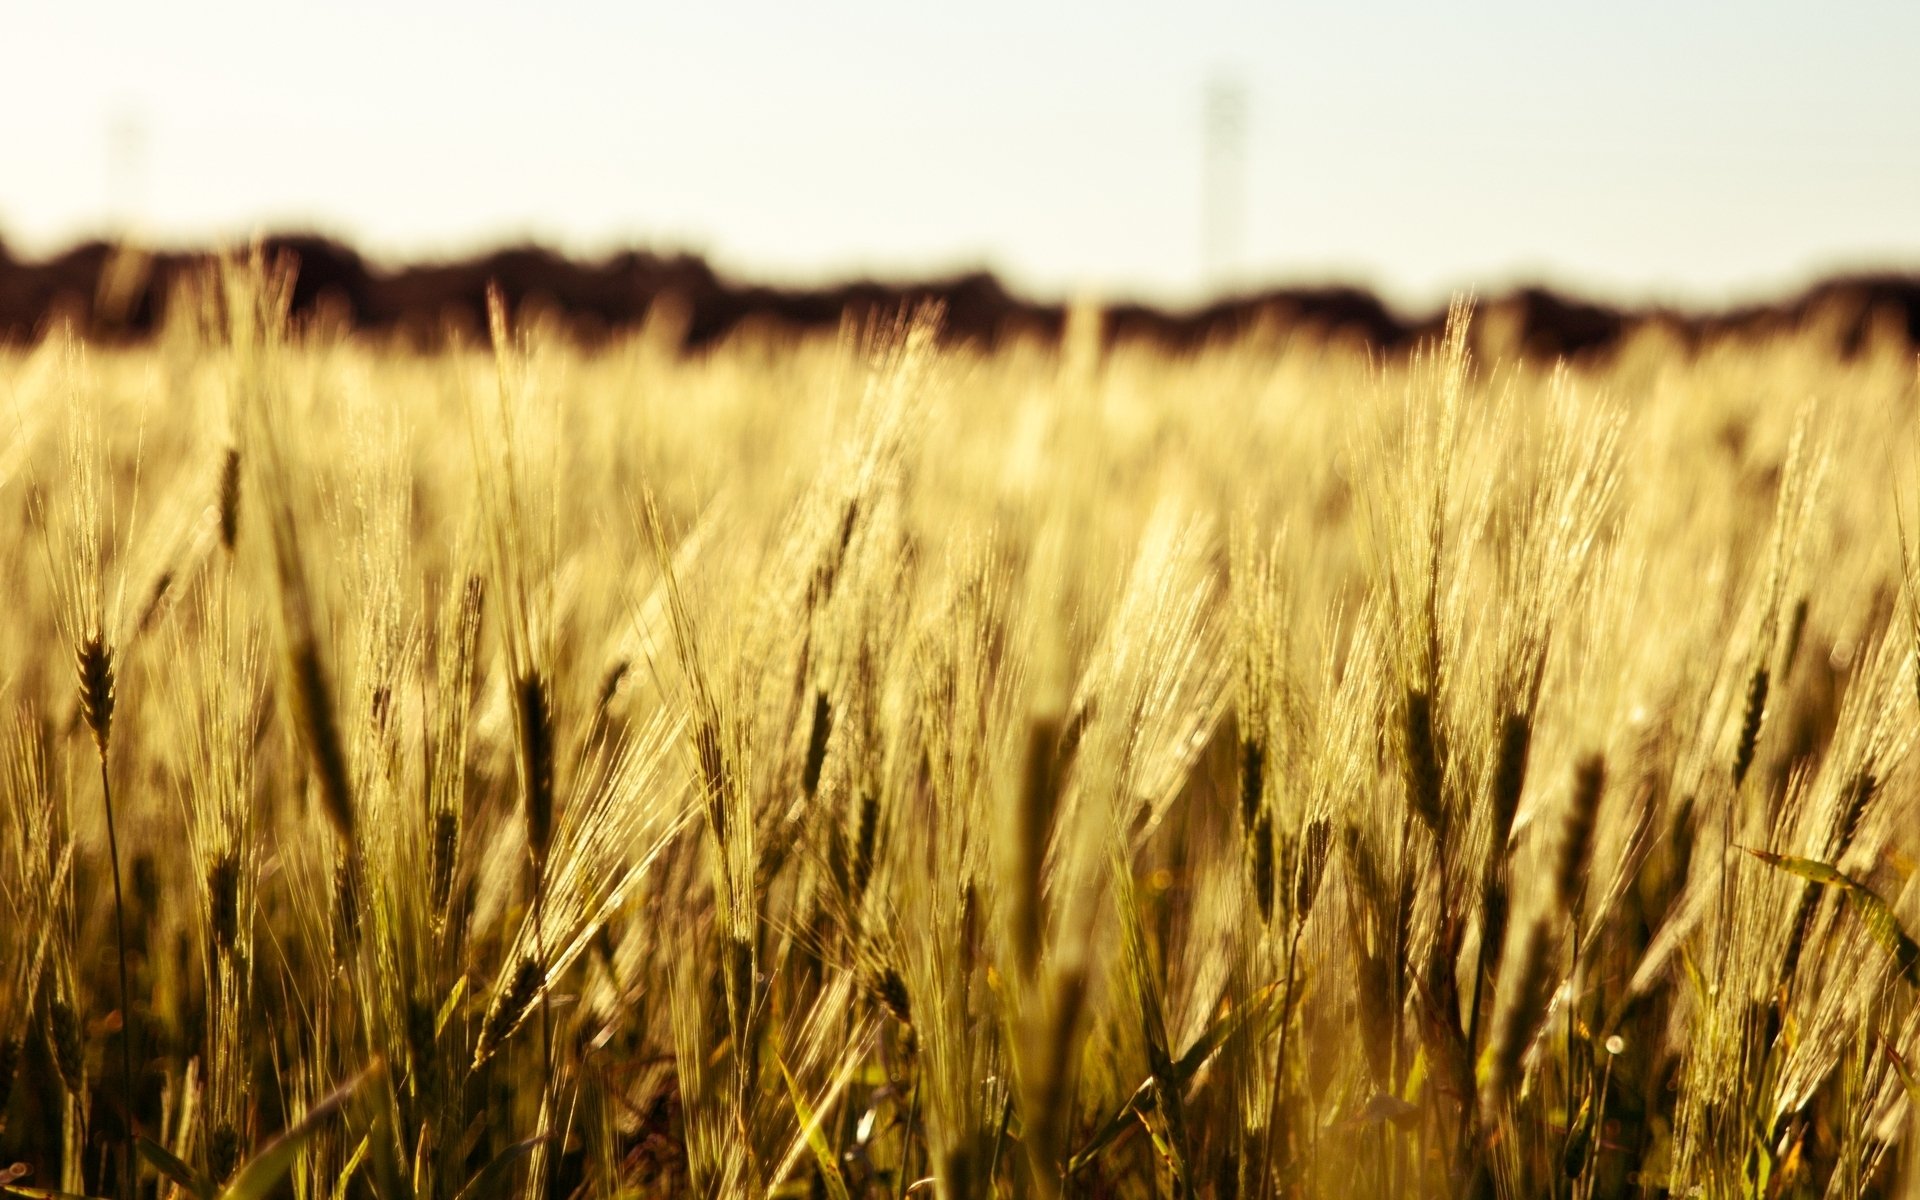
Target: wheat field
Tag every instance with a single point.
(871, 767)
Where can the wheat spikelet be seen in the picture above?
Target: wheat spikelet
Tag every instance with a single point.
(838, 868)
(1860, 793)
(1576, 839)
(1312, 867)
(610, 684)
(1796, 632)
(94, 663)
(866, 829)
(10, 1052)
(1510, 775)
(509, 1008)
(421, 1039)
(826, 575)
(1039, 796)
(1752, 715)
(891, 991)
(1369, 882)
(534, 721)
(63, 1039)
(1422, 761)
(224, 1148)
(818, 732)
(713, 776)
(1520, 1017)
(1797, 931)
(1845, 827)
(228, 498)
(346, 902)
(156, 602)
(223, 894)
(1374, 901)
(741, 973)
(1073, 733)
(1253, 770)
(1047, 1088)
(442, 859)
(313, 708)
(1260, 841)
(473, 609)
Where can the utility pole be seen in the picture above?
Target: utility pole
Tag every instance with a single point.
(126, 171)
(1224, 181)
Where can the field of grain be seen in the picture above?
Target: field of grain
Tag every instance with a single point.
(866, 767)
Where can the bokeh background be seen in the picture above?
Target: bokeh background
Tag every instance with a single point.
(1693, 152)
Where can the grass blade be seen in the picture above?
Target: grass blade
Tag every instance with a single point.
(810, 1125)
(1144, 1099)
(263, 1171)
(167, 1164)
(1879, 916)
(486, 1179)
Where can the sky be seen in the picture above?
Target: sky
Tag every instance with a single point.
(1678, 150)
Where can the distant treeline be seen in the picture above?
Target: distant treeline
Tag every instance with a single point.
(112, 294)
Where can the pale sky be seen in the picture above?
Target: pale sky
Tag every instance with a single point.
(1678, 149)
